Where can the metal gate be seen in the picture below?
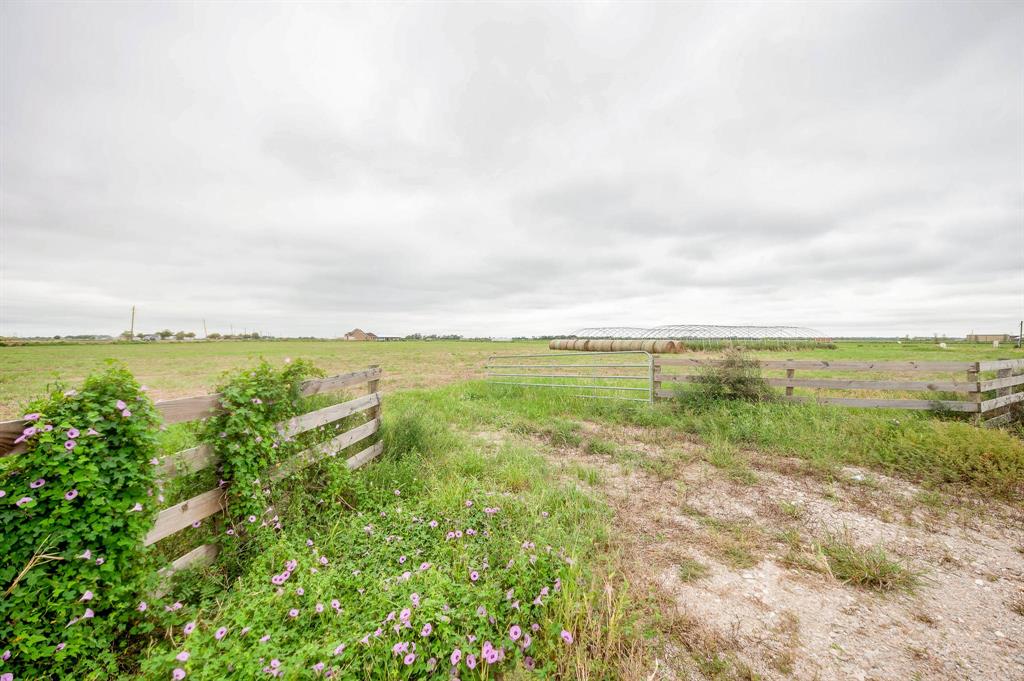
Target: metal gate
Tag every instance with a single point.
(594, 375)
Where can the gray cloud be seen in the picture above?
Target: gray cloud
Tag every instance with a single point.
(498, 169)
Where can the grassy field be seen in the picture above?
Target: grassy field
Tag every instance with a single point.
(182, 369)
(660, 521)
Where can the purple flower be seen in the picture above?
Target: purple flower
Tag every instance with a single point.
(92, 431)
(87, 554)
(34, 416)
(121, 405)
(405, 614)
(528, 663)
(300, 591)
(427, 628)
(136, 508)
(424, 566)
(527, 640)
(37, 484)
(336, 604)
(515, 632)
(22, 501)
(415, 598)
(182, 656)
(60, 646)
(456, 656)
(70, 444)
(88, 614)
(178, 674)
(398, 492)
(319, 607)
(481, 611)
(471, 661)
(3, 493)
(188, 628)
(87, 596)
(126, 413)
(257, 400)
(409, 659)
(142, 606)
(318, 667)
(566, 636)
(220, 633)
(474, 575)
(70, 393)
(71, 494)
(101, 560)
(323, 560)
(197, 523)
(264, 638)
(340, 649)
(468, 503)
(401, 559)
(432, 523)
(293, 612)
(72, 433)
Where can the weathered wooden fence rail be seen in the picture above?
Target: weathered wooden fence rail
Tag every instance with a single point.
(989, 398)
(175, 518)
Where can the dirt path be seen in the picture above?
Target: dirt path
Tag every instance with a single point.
(730, 563)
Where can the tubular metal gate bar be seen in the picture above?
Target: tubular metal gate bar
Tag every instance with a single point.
(563, 365)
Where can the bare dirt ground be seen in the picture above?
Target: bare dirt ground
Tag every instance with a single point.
(729, 563)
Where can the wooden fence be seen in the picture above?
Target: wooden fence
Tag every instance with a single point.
(989, 388)
(181, 515)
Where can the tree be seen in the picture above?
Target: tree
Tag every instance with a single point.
(180, 335)
(190, 334)
(126, 335)
(165, 334)
(213, 336)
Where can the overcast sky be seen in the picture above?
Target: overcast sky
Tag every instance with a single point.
(493, 169)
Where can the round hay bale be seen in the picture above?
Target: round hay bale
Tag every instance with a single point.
(664, 347)
(562, 344)
(617, 345)
(681, 347)
(579, 345)
(648, 345)
(600, 345)
(553, 344)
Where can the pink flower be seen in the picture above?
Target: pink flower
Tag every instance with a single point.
(72, 433)
(323, 560)
(566, 636)
(37, 484)
(336, 604)
(340, 649)
(88, 614)
(126, 413)
(70, 444)
(319, 607)
(401, 559)
(432, 523)
(474, 575)
(252, 519)
(87, 596)
(142, 606)
(415, 598)
(468, 503)
(178, 674)
(188, 628)
(471, 661)
(60, 646)
(264, 638)
(92, 431)
(23, 501)
(34, 416)
(220, 633)
(136, 508)
(318, 667)
(182, 656)
(398, 492)
(456, 656)
(101, 560)
(427, 628)
(71, 494)
(300, 591)
(405, 614)
(409, 659)
(515, 632)
(293, 612)
(87, 554)
(424, 566)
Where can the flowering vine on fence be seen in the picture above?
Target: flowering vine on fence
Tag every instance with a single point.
(74, 510)
(247, 434)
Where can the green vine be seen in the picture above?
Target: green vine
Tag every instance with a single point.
(248, 437)
(74, 509)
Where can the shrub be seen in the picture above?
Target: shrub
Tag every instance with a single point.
(736, 377)
(74, 510)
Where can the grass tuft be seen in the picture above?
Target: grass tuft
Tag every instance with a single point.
(869, 568)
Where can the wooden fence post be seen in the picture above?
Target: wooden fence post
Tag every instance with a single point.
(974, 376)
(372, 387)
(655, 381)
(789, 388)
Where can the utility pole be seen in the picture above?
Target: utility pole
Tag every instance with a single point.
(204, 329)
(1020, 334)
(131, 327)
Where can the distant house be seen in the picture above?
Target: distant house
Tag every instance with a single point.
(360, 335)
(989, 337)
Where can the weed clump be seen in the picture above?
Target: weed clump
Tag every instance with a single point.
(736, 377)
(866, 568)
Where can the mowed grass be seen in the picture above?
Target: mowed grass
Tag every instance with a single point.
(171, 369)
